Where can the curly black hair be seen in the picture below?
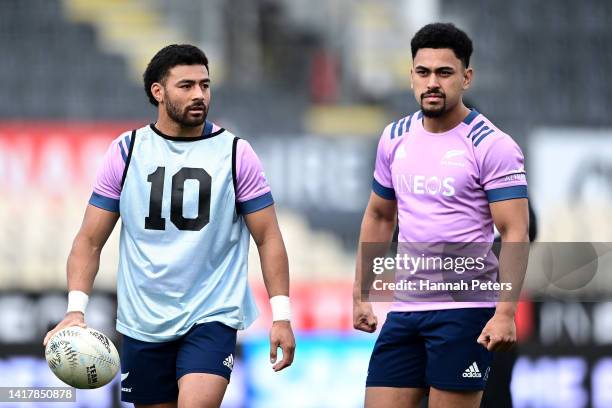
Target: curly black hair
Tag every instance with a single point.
(443, 35)
(166, 59)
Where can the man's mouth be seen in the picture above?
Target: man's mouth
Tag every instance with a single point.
(433, 96)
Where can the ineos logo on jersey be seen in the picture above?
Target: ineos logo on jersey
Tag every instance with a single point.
(419, 184)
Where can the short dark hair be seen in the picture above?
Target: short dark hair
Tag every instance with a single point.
(443, 35)
(166, 59)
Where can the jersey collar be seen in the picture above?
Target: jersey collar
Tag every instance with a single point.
(207, 132)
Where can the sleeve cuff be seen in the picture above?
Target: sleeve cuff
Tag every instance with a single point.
(255, 204)
(506, 193)
(384, 192)
(105, 203)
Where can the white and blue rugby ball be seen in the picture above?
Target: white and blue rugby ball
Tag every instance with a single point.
(82, 358)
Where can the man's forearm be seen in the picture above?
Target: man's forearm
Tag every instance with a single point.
(274, 266)
(374, 229)
(513, 260)
(83, 264)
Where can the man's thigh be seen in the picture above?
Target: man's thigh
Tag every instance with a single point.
(455, 361)
(151, 371)
(456, 399)
(162, 405)
(208, 348)
(148, 372)
(204, 365)
(393, 397)
(399, 356)
(200, 390)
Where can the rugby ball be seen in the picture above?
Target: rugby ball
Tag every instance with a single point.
(82, 358)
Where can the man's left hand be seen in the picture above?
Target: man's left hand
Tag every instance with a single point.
(281, 336)
(499, 334)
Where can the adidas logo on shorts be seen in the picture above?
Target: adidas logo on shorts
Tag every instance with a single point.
(472, 371)
(229, 362)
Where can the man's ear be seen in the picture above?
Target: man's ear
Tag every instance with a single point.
(467, 78)
(411, 84)
(157, 90)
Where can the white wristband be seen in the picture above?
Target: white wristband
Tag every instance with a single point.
(281, 310)
(77, 301)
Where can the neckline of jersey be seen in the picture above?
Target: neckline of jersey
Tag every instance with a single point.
(187, 138)
(453, 130)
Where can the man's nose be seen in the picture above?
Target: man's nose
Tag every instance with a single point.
(198, 93)
(433, 82)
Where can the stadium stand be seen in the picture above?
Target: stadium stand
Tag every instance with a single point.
(53, 69)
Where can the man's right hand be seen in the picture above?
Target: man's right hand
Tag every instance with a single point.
(364, 318)
(70, 319)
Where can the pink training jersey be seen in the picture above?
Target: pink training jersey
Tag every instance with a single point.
(444, 183)
(251, 183)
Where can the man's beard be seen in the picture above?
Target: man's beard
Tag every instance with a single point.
(436, 112)
(182, 117)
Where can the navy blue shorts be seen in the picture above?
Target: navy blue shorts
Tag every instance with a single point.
(150, 371)
(432, 348)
